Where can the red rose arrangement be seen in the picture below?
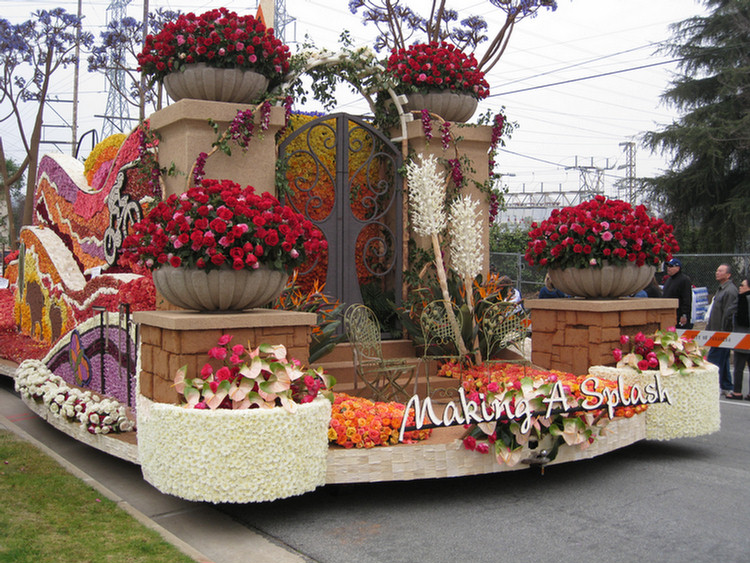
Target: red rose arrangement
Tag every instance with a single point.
(220, 224)
(600, 230)
(219, 38)
(437, 66)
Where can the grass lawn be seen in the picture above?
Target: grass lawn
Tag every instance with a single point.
(48, 515)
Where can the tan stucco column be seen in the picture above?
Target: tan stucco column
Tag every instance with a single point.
(185, 133)
(474, 144)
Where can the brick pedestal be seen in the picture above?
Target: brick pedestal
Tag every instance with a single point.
(172, 339)
(573, 334)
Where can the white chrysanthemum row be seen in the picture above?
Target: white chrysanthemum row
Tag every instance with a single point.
(466, 246)
(227, 455)
(34, 381)
(694, 409)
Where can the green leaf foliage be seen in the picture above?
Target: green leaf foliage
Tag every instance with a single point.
(706, 192)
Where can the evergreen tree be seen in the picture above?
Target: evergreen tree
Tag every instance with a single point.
(706, 193)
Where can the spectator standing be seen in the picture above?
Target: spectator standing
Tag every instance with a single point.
(741, 324)
(723, 308)
(510, 293)
(653, 290)
(678, 286)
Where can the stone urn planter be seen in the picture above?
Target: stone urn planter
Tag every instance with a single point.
(219, 290)
(201, 82)
(457, 108)
(607, 282)
(225, 455)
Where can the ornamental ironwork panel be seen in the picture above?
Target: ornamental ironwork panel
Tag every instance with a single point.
(343, 176)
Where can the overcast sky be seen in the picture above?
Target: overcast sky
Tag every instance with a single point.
(582, 121)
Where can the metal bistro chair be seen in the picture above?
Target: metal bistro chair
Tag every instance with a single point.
(383, 376)
(441, 334)
(504, 325)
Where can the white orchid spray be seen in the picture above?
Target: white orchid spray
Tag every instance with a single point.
(427, 190)
(467, 249)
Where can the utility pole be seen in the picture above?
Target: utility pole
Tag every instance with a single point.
(142, 101)
(76, 72)
(281, 20)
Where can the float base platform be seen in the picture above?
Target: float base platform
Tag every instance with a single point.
(442, 455)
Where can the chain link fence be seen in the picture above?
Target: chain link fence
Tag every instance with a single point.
(700, 268)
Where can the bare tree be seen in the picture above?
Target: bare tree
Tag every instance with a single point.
(30, 54)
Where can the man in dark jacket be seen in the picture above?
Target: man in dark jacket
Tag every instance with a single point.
(678, 286)
(721, 318)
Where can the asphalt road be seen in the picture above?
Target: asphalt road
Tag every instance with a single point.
(679, 501)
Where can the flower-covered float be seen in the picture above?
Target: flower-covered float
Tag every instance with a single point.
(291, 429)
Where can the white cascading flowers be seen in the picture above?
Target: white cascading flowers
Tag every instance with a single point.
(467, 249)
(426, 196)
(426, 190)
(466, 246)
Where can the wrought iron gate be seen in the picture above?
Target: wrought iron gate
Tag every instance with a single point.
(343, 176)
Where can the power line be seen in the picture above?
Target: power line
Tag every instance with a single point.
(582, 78)
(576, 65)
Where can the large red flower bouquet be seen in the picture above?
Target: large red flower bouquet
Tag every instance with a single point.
(437, 66)
(219, 38)
(218, 224)
(600, 230)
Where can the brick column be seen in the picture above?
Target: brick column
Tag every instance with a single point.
(573, 334)
(172, 339)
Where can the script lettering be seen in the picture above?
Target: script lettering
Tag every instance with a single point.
(557, 396)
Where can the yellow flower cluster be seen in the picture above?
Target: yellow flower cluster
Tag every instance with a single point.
(103, 152)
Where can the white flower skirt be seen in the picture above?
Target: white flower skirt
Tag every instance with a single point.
(233, 455)
(694, 408)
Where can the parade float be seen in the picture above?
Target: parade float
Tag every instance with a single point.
(215, 397)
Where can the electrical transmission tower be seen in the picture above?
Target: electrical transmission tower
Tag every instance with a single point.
(281, 20)
(117, 114)
(592, 178)
(627, 184)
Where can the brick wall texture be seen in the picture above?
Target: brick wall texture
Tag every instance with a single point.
(164, 351)
(572, 341)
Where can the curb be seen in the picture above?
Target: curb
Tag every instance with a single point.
(142, 518)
